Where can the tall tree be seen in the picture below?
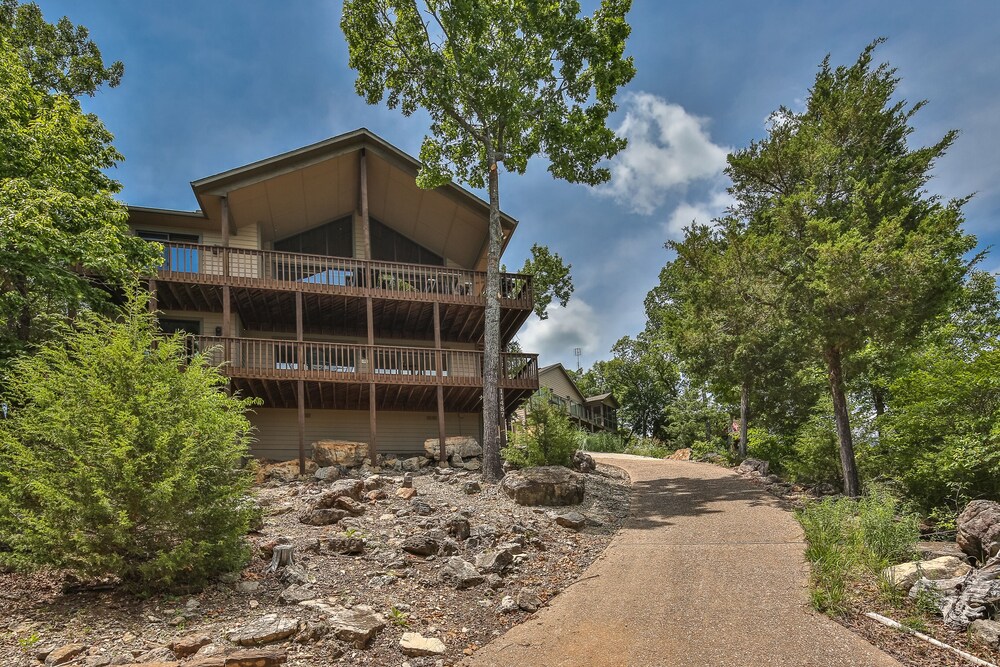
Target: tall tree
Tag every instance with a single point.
(550, 279)
(863, 251)
(502, 81)
(59, 221)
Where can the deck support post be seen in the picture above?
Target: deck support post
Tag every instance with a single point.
(372, 430)
(363, 179)
(301, 385)
(226, 313)
(438, 358)
(152, 296)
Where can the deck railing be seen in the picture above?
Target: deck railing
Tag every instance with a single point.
(264, 358)
(344, 275)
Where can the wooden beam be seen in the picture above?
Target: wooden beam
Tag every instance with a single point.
(365, 227)
(438, 358)
(302, 426)
(152, 296)
(372, 443)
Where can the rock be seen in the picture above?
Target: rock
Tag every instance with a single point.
(528, 600)
(296, 593)
(310, 632)
(412, 464)
(456, 461)
(905, 575)
(189, 644)
(753, 465)
(415, 645)
(407, 480)
(421, 508)
(473, 465)
(547, 485)
(507, 605)
(583, 462)
(979, 529)
(986, 632)
(573, 520)
(155, 655)
(268, 657)
(457, 526)
(472, 487)
(286, 471)
(494, 561)
(349, 505)
(344, 545)
(824, 489)
(264, 630)
(356, 625)
(460, 573)
(406, 493)
(931, 550)
(936, 590)
(322, 517)
(980, 593)
(327, 474)
(248, 586)
(342, 488)
(680, 455)
(65, 653)
(449, 547)
(340, 452)
(423, 544)
(464, 446)
(376, 494)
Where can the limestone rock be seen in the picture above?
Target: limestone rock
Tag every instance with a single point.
(342, 488)
(416, 645)
(573, 520)
(460, 573)
(528, 600)
(903, 576)
(938, 590)
(296, 593)
(267, 657)
(322, 517)
(340, 452)
(931, 550)
(349, 505)
(583, 462)
(189, 644)
(464, 446)
(64, 654)
(494, 561)
(285, 471)
(344, 545)
(264, 630)
(356, 625)
(547, 485)
(754, 465)
(979, 529)
(327, 474)
(160, 654)
(507, 605)
(680, 455)
(986, 632)
(980, 593)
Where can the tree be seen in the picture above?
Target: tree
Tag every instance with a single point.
(550, 279)
(122, 457)
(548, 437)
(502, 82)
(859, 249)
(59, 221)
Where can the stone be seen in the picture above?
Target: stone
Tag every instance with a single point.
(296, 593)
(547, 485)
(456, 461)
(903, 576)
(340, 452)
(416, 645)
(460, 573)
(583, 462)
(936, 590)
(472, 487)
(979, 529)
(680, 455)
(457, 526)
(344, 545)
(979, 594)
(285, 471)
(327, 474)
(407, 480)
(753, 465)
(264, 630)
(527, 600)
(265, 657)
(65, 653)
(473, 465)
(493, 561)
(494, 581)
(322, 517)
(986, 632)
(376, 494)
(420, 508)
(507, 605)
(349, 505)
(573, 520)
(154, 655)
(97, 661)
(464, 447)
(422, 544)
(356, 625)
(412, 464)
(342, 488)
(449, 547)
(189, 644)
(406, 493)
(931, 550)
(248, 586)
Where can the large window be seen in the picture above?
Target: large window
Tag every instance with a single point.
(334, 239)
(181, 259)
(388, 245)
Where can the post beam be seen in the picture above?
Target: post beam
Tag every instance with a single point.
(438, 358)
(152, 296)
(365, 226)
(372, 421)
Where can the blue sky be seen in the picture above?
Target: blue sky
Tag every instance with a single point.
(213, 85)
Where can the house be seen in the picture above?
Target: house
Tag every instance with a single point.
(341, 294)
(590, 413)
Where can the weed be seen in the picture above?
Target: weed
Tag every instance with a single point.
(398, 618)
(27, 642)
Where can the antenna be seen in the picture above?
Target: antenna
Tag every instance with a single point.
(577, 351)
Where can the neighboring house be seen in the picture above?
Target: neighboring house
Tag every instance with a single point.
(591, 413)
(341, 294)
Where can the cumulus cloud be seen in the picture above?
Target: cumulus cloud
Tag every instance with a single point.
(701, 212)
(668, 148)
(553, 339)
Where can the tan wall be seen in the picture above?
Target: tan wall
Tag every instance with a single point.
(556, 382)
(277, 432)
(208, 320)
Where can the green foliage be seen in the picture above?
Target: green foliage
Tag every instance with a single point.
(848, 539)
(550, 279)
(767, 446)
(815, 456)
(548, 437)
(123, 458)
(58, 217)
(645, 446)
(603, 441)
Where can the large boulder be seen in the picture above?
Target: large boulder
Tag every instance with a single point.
(340, 452)
(285, 471)
(583, 462)
(547, 485)
(463, 446)
(903, 576)
(979, 529)
(753, 465)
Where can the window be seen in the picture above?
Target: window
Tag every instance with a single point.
(178, 259)
(334, 239)
(388, 245)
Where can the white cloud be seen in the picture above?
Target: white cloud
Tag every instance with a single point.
(668, 148)
(702, 212)
(553, 339)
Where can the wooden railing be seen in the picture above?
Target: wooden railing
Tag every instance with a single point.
(263, 358)
(344, 275)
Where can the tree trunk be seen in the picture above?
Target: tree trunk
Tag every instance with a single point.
(834, 368)
(492, 466)
(879, 403)
(744, 416)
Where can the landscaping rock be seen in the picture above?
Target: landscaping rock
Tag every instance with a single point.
(986, 632)
(296, 593)
(472, 487)
(932, 550)
(65, 653)
(340, 452)
(583, 462)
(344, 545)
(528, 600)
(357, 625)
(508, 605)
(270, 657)
(473, 465)
(322, 517)
(422, 544)
(573, 520)
(938, 590)
(547, 485)
(327, 474)
(342, 488)
(680, 455)
(457, 526)
(905, 575)
(286, 471)
(979, 529)
(979, 595)
(494, 561)
(264, 630)
(406, 493)
(189, 644)
(460, 573)
(160, 654)
(753, 465)
(412, 464)
(464, 446)
(416, 645)
(349, 505)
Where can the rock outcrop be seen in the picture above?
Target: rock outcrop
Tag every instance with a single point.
(979, 529)
(340, 453)
(547, 485)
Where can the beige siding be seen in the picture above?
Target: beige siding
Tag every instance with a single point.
(209, 321)
(557, 382)
(277, 435)
(359, 237)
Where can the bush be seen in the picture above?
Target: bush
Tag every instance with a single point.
(643, 446)
(603, 442)
(763, 445)
(121, 458)
(547, 438)
(815, 456)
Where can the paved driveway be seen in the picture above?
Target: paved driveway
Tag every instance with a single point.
(707, 572)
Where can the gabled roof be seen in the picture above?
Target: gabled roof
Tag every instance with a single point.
(604, 398)
(559, 368)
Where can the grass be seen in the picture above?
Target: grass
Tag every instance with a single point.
(850, 539)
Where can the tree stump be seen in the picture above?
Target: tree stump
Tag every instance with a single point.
(283, 557)
(980, 593)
